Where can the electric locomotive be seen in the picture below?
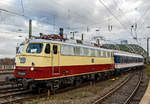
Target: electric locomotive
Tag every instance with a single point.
(45, 63)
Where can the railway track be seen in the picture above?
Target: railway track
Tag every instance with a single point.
(24, 95)
(19, 95)
(3, 83)
(14, 94)
(6, 72)
(30, 96)
(122, 93)
(9, 93)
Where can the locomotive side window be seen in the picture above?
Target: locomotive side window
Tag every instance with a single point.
(55, 48)
(112, 54)
(34, 48)
(107, 54)
(77, 51)
(85, 51)
(99, 53)
(81, 51)
(67, 50)
(104, 54)
(47, 49)
(96, 53)
(92, 52)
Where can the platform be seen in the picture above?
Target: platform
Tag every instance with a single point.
(146, 97)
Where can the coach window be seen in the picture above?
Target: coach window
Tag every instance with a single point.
(118, 59)
(47, 49)
(55, 48)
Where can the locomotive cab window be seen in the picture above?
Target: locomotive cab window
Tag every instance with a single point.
(20, 49)
(55, 49)
(34, 48)
(47, 49)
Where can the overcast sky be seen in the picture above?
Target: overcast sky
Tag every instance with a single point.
(129, 20)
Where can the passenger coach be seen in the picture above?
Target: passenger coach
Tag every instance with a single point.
(125, 60)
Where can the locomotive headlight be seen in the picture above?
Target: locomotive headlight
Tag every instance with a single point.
(32, 68)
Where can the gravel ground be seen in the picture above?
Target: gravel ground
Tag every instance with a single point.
(84, 95)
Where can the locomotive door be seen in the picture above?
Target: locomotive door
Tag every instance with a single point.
(55, 59)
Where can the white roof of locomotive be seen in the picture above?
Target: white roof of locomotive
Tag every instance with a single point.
(73, 43)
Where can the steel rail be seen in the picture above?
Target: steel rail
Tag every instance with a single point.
(15, 93)
(6, 72)
(134, 90)
(110, 92)
(46, 94)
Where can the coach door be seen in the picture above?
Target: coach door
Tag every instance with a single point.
(55, 59)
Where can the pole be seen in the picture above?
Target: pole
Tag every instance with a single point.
(82, 37)
(54, 23)
(73, 34)
(98, 42)
(30, 28)
(148, 49)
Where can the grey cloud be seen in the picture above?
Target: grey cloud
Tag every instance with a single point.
(76, 14)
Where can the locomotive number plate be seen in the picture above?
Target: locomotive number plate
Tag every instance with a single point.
(21, 73)
(22, 60)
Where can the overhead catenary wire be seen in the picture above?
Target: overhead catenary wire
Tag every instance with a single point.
(112, 14)
(11, 12)
(80, 15)
(144, 14)
(22, 6)
(11, 7)
(143, 22)
(116, 18)
(129, 22)
(141, 18)
(124, 16)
